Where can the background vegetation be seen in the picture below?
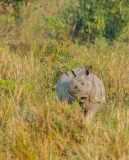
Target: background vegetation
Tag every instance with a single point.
(39, 41)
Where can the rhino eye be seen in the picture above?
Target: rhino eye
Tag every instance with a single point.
(82, 83)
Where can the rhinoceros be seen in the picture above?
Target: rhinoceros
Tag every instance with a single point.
(84, 85)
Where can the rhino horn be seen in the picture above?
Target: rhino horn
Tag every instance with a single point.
(75, 81)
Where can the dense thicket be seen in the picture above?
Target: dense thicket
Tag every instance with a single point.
(81, 20)
(100, 18)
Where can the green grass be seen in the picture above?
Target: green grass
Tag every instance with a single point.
(35, 125)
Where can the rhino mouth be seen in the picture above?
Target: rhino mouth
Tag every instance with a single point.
(74, 92)
(82, 98)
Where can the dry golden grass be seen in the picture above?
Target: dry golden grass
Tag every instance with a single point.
(34, 125)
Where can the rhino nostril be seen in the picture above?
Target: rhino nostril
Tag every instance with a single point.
(75, 87)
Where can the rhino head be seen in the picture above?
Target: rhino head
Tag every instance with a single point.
(80, 86)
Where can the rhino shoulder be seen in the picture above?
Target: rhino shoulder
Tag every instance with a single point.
(62, 89)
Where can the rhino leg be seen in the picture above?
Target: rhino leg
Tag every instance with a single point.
(91, 112)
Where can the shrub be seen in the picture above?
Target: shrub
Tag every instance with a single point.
(98, 18)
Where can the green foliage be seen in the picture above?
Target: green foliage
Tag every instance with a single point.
(7, 86)
(78, 20)
(98, 18)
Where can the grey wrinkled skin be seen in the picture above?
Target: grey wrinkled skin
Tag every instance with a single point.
(81, 83)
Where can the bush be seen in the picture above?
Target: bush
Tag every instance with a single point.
(98, 18)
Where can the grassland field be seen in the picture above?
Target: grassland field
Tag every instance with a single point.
(34, 125)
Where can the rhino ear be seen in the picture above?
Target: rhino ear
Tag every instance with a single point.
(70, 73)
(88, 70)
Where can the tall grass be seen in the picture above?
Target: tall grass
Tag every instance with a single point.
(34, 124)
